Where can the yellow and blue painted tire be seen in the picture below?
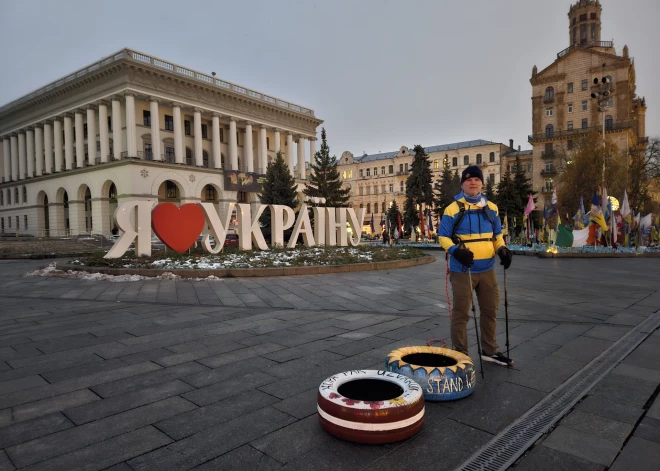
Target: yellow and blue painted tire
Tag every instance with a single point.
(443, 374)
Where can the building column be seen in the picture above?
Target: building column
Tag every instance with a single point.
(48, 147)
(22, 155)
(103, 131)
(56, 223)
(14, 156)
(80, 140)
(100, 216)
(277, 143)
(263, 150)
(233, 147)
(76, 217)
(217, 154)
(247, 145)
(39, 150)
(197, 138)
(6, 156)
(178, 134)
(301, 158)
(289, 152)
(117, 143)
(91, 135)
(155, 129)
(131, 143)
(312, 150)
(29, 148)
(68, 142)
(57, 144)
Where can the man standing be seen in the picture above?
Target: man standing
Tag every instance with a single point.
(471, 234)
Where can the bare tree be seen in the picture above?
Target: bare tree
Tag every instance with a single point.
(644, 177)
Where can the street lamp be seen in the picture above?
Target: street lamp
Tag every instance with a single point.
(602, 96)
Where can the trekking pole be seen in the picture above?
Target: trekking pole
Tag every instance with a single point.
(476, 325)
(506, 319)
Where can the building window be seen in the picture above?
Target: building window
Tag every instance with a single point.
(382, 189)
(466, 160)
(570, 107)
(491, 157)
(25, 222)
(169, 123)
(401, 187)
(375, 171)
(2, 198)
(368, 190)
(585, 124)
(548, 166)
(570, 144)
(146, 117)
(382, 170)
(169, 154)
(610, 101)
(513, 168)
(172, 192)
(400, 168)
(570, 88)
(478, 159)
(383, 206)
(454, 162)
(491, 178)
(210, 193)
(241, 197)
(585, 85)
(391, 187)
(110, 123)
(8, 196)
(24, 195)
(549, 94)
(205, 159)
(361, 173)
(569, 125)
(148, 154)
(391, 169)
(368, 172)
(375, 189)
(405, 167)
(267, 142)
(376, 208)
(529, 168)
(205, 130)
(549, 185)
(593, 31)
(189, 156)
(548, 111)
(609, 123)
(436, 164)
(360, 191)
(585, 105)
(85, 130)
(186, 127)
(222, 137)
(549, 131)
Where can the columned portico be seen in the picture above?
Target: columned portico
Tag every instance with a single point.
(68, 142)
(276, 144)
(29, 147)
(247, 145)
(80, 140)
(6, 155)
(14, 157)
(233, 147)
(117, 141)
(178, 133)
(217, 155)
(39, 149)
(289, 153)
(263, 150)
(155, 130)
(22, 156)
(91, 135)
(199, 162)
(131, 142)
(301, 158)
(57, 146)
(103, 131)
(48, 147)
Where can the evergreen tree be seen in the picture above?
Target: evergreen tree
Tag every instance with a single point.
(324, 180)
(393, 215)
(490, 191)
(418, 187)
(279, 187)
(445, 190)
(508, 198)
(523, 184)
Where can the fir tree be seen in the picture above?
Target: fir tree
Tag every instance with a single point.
(490, 191)
(324, 180)
(393, 215)
(523, 184)
(446, 188)
(418, 187)
(279, 187)
(508, 198)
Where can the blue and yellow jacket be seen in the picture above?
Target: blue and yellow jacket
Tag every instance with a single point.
(480, 230)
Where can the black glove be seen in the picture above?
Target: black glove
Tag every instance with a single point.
(464, 256)
(506, 256)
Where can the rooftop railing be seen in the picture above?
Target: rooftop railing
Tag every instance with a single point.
(168, 66)
(585, 44)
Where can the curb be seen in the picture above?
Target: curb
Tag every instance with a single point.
(586, 255)
(255, 272)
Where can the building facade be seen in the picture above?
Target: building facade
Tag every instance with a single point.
(563, 110)
(135, 127)
(378, 179)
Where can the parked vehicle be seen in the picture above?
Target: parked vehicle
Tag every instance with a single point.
(231, 240)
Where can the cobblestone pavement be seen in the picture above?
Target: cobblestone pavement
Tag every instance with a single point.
(163, 374)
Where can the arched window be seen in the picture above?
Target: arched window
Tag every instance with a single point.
(454, 162)
(368, 208)
(172, 191)
(609, 123)
(376, 208)
(205, 159)
(549, 94)
(112, 193)
(383, 206)
(189, 159)
(361, 205)
(209, 193)
(549, 130)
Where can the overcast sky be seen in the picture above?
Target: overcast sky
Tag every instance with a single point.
(380, 73)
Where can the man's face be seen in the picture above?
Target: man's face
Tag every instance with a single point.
(472, 186)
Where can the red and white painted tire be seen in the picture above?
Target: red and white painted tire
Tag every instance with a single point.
(370, 406)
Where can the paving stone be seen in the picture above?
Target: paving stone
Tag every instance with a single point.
(21, 383)
(597, 426)
(201, 418)
(245, 457)
(5, 464)
(87, 413)
(644, 356)
(237, 355)
(292, 441)
(648, 429)
(300, 405)
(35, 428)
(542, 457)
(107, 453)
(43, 367)
(582, 445)
(544, 374)
(599, 405)
(582, 349)
(607, 332)
(215, 375)
(293, 367)
(638, 455)
(228, 388)
(82, 370)
(623, 389)
(54, 404)
(637, 372)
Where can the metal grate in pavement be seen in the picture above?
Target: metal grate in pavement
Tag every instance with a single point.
(504, 449)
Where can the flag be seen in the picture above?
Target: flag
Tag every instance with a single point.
(580, 237)
(387, 221)
(625, 207)
(597, 218)
(372, 223)
(596, 200)
(564, 237)
(530, 205)
(421, 221)
(581, 205)
(646, 221)
(430, 223)
(400, 226)
(604, 204)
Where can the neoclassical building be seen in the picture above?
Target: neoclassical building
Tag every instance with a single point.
(563, 110)
(376, 180)
(135, 127)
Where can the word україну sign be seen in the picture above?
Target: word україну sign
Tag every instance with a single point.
(179, 227)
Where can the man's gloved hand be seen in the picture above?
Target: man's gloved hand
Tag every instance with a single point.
(464, 256)
(505, 256)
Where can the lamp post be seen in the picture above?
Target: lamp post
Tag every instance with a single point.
(602, 96)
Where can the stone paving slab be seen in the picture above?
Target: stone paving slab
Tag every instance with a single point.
(163, 374)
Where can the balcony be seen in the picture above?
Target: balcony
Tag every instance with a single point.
(400, 173)
(545, 190)
(548, 154)
(586, 44)
(548, 99)
(562, 134)
(548, 172)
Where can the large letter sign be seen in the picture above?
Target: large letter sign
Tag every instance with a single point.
(179, 227)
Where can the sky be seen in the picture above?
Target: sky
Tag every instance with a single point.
(379, 73)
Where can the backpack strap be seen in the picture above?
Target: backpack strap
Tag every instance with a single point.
(488, 213)
(457, 222)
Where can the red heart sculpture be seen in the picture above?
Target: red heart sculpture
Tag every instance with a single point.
(178, 228)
